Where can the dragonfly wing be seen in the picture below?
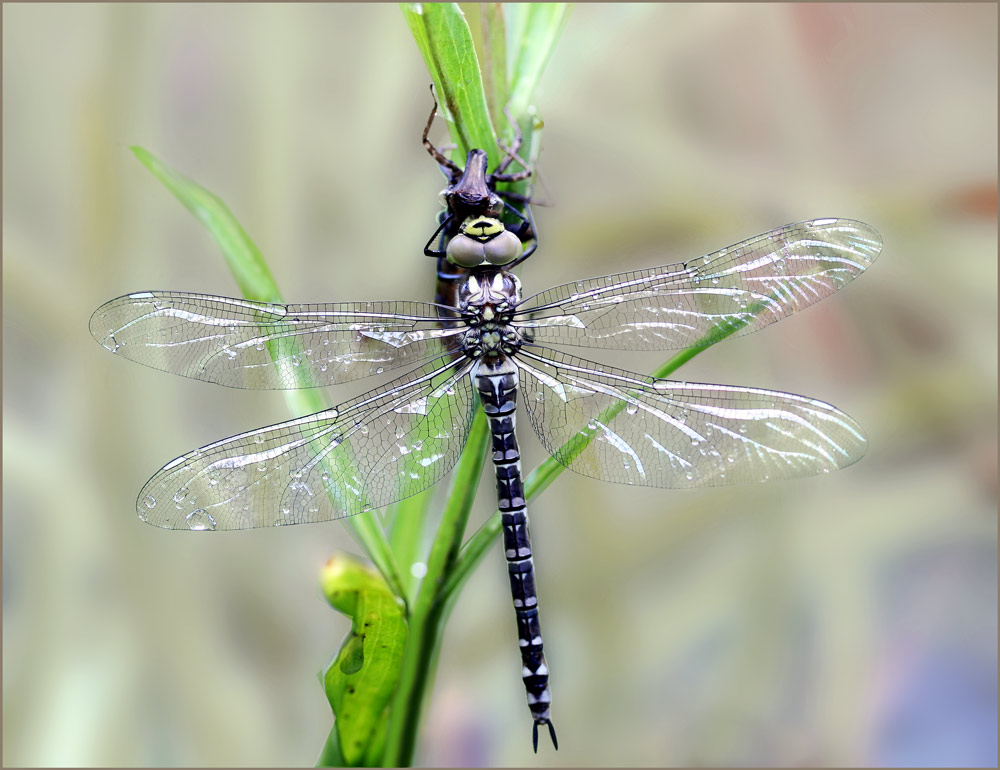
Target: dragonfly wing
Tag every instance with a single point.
(243, 344)
(738, 290)
(630, 428)
(381, 447)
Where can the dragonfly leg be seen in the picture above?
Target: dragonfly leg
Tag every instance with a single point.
(433, 151)
(515, 145)
(516, 176)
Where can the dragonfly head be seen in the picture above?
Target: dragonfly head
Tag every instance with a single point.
(483, 241)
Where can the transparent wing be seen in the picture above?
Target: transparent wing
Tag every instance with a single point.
(744, 287)
(258, 345)
(381, 447)
(662, 433)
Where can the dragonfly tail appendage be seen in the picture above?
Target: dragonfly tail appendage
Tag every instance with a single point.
(552, 734)
(497, 386)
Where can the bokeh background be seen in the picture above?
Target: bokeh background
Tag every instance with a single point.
(844, 620)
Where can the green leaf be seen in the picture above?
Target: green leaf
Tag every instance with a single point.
(533, 30)
(243, 257)
(492, 48)
(330, 755)
(445, 41)
(256, 283)
(360, 681)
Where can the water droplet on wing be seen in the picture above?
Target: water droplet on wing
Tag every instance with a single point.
(200, 520)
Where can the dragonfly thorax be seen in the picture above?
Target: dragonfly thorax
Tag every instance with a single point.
(488, 298)
(491, 340)
(489, 295)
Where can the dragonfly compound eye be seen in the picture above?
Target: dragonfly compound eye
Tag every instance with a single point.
(465, 251)
(503, 249)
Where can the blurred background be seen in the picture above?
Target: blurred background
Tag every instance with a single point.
(844, 620)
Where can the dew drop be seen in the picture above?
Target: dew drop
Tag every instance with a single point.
(661, 384)
(631, 408)
(149, 501)
(180, 494)
(200, 520)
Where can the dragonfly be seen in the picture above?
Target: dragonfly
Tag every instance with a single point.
(500, 348)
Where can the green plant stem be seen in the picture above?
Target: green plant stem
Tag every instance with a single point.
(539, 479)
(429, 611)
(405, 535)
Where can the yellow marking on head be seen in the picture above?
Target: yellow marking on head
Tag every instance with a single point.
(482, 228)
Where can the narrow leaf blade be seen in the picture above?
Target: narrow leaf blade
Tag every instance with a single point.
(445, 42)
(255, 281)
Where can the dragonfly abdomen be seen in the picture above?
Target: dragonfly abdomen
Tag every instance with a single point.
(496, 380)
